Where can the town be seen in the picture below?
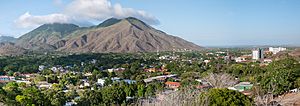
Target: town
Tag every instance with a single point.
(260, 76)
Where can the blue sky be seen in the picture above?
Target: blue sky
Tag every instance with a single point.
(204, 22)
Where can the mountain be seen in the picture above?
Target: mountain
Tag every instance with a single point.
(45, 36)
(113, 35)
(109, 22)
(7, 39)
(8, 48)
(127, 35)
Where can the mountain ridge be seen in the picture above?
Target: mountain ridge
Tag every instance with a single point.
(4, 38)
(112, 35)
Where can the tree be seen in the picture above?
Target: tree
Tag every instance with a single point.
(56, 98)
(141, 90)
(113, 95)
(11, 89)
(281, 76)
(23, 100)
(91, 98)
(31, 96)
(150, 91)
(225, 97)
(129, 91)
(221, 80)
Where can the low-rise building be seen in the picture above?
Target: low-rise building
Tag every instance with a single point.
(163, 77)
(276, 50)
(101, 82)
(44, 84)
(243, 87)
(7, 78)
(172, 85)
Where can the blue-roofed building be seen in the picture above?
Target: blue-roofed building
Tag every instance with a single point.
(129, 81)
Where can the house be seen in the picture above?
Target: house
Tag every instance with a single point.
(41, 67)
(101, 82)
(24, 81)
(58, 68)
(172, 85)
(85, 83)
(88, 74)
(150, 70)
(203, 84)
(28, 75)
(206, 61)
(162, 78)
(115, 70)
(44, 84)
(240, 59)
(72, 103)
(129, 81)
(242, 86)
(267, 60)
(115, 79)
(7, 78)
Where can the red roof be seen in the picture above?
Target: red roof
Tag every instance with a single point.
(173, 83)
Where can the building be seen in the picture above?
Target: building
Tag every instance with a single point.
(44, 84)
(257, 54)
(276, 50)
(101, 82)
(172, 85)
(128, 81)
(243, 87)
(7, 78)
(159, 78)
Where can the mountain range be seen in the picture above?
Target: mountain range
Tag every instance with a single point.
(7, 39)
(112, 35)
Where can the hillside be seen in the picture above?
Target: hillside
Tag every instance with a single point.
(127, 35)
(112, 35)
(7, 39)
(10, 49)
(45, 36)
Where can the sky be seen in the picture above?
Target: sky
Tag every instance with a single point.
(204, 22)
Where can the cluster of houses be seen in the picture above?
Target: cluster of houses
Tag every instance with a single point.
(168, 57)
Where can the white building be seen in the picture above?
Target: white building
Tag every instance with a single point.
(101, 82)
(240, 59)
(41, 67)
(276, 50)
(257, 54)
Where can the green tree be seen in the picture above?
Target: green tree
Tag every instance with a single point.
(56, 98)
(225, 97)
(141, 90)
(150, 90)
(113, 95)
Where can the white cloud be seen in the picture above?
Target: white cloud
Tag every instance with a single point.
(103, 9)
(27, 20)
(81, 11)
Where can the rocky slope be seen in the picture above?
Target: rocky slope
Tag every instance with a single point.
(10, 49)
(113, 35)
(127, 35)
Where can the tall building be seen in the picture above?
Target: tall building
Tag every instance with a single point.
(257, 54)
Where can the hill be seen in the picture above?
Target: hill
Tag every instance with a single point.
(7, 39)
(45, 36)
(113, 35)
(10, 49)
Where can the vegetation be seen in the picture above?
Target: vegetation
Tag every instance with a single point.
(277, 77)
(225, 97)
